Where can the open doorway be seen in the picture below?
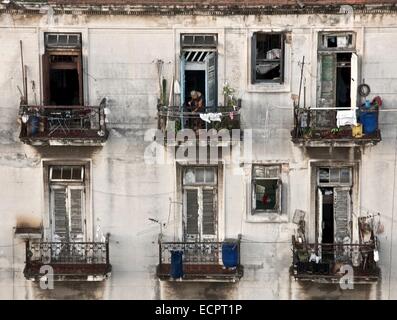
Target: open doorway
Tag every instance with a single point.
(64, 87)
(327, 215)
(343, 80)
(194, 80)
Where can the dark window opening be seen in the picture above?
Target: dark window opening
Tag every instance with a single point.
(64, 87)
(267, 57)
(343, 80)
(62, 70)
(328, 215)
(266, 192)
(194, 81)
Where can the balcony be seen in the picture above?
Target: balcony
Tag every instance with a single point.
(63, 125)
(172, 120)
(200, 261)
(317, 127)
(331, 258)
(69, 260)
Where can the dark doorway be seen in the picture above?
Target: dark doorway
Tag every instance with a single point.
(64, 87)
(194, 80)
(343, 80)
(328, 215)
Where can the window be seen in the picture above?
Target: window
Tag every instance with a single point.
(266, 189)
(267, 56)
(62, 69)
(334, 176)
(337, 76)
(199, 69)
(67, 203)
(200, 203)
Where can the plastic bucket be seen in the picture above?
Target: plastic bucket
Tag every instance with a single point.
(230, 254)
(34, 123)
(369, 121)
(176, 264)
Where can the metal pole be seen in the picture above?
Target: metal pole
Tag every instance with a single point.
(300, 83)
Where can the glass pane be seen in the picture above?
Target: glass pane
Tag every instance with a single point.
(52, 39)
(56, 173)
(66, 173)
(62, 39)
(272, 171)
(189, 177)
(334, 175)
(200, 175)
(76, 173)
(210, 175)
(259, 172)
(324, 175)
(266, 194)
(345, 175)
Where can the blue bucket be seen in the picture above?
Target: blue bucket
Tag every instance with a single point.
(369, 121)
(176, 264)
(230, 254)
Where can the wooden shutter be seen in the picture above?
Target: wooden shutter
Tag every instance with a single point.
(326, 91)
(45, 65)
(209, 212)
(253, 58)
(59, 212)
(182, 79)
(342, 214)
(76, 207)
(354, 80)
(211, 75)
(80, 75)
(192, 213)
(282, 58)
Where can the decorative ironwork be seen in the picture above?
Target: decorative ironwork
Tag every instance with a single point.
(318, 260)
(43, 123)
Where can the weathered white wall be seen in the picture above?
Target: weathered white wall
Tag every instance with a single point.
(119, 57)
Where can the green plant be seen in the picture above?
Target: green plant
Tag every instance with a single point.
(307, 132)
(335, 131)
(228, 94)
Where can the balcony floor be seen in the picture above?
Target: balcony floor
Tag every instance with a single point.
(71, 137)
(202, 272)
(341, 141)
(68, 271)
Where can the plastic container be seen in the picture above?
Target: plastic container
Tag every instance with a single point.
(176, 264)
(357, 131)
(34, 123)
(230, 254)
(369, 121)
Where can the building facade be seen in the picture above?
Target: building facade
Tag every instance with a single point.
(100, 189)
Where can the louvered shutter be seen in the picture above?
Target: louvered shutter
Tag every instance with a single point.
(253, 58)
(192, 213)
(59, 212)
(209, 210)
(342, 212)
(326, 91)
(76, 196)
(282, 58)
(211, 80)
(45, 66)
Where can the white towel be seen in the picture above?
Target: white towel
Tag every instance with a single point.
(208, 117)
(346, 117)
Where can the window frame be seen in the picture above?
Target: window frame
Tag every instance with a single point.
(254, 41)
(278, 200)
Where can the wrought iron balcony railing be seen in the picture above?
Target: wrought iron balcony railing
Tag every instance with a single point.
(317, 126)
(210, 260)
(172, 119)
(63, 125)
(329, 262)
(68, 259)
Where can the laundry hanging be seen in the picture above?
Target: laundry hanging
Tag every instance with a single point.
(209, 117)
(346, 117)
